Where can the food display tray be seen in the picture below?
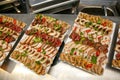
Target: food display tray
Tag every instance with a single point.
(16, 39)
(116, 64)
(25, 35)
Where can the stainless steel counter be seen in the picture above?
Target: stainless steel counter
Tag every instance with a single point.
(60, 71)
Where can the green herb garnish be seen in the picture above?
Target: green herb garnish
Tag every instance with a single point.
(17, 56)
(37, 40)
(80, 50)
(77, 42)
(37, 62)
(94, 59)
(40, 26)
(0, 33)
(99, 21)
(90, 37)
(43, 51)
(52, 19)
(1, 48)
(39, 16)
(8, 33)
(72, 50)
(102, 32)
(0, 29)
(87, 24)
(3, 42)
(81, 34)
(46, 30)
(57, 27)
(47, 42)
(24, 54)
(42, 59)
(82, 39)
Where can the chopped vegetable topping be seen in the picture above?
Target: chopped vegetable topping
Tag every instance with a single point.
(99, 21)
(88, 66)
(104, 24)
(52, 19)
(1, 48)
(102, 32)
(80, 50)
(72, 51)
(40, 26)
(0, 19)
(14, 21)
(47, 42)
(0, 32)
(87, 31)
(43, 20)
(90, 37)
(57, 27)
(37, 40)
(17, 56)
(97, 53)
(82, 39)
(77, 42)
(3, 42)
(0, 29)
(46, 30)
(37, 62)
(94, 59)
(39, 49)
(81, 34)
(43, 51)
(24, 54)
(39, 16)
(87, 24)
(8, 33)
(42, 59)
(75, 53)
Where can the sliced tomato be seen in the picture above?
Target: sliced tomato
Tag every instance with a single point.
(7, 39)
(43, 20)
(44, 36)
(75, 53)
(37, 33)
(14, 21)
(87, 31)
(0, 19)
(58, 42)
(118, 56)
(89, 66)
(97, 53)
(16, 28)
(39, 49)
(104, 24)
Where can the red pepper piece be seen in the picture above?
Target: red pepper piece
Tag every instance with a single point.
(89, 66)
(43, 20)
(104, 24)
(88, 31)
(75, 53)
(14, 21)
(0, 19)
(39, 49)
(97, 53)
